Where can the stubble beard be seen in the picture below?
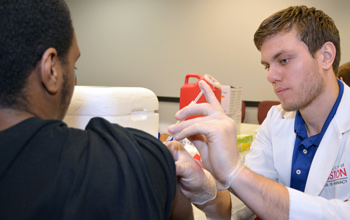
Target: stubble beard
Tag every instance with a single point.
(309, 91)
(65, 98)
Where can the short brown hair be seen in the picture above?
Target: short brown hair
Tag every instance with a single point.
(344, 71)
(314, 28)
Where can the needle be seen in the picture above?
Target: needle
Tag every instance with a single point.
(197, 98)
(170, 137)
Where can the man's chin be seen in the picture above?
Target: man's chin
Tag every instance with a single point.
(289, 107)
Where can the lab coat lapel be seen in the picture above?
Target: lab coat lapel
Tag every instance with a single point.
(283, 146)
(323, 161)
(327, 152)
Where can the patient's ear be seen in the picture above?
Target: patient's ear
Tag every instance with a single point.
(328, 52)
(50, 70)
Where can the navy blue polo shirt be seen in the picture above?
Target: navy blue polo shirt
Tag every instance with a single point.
(305, 147)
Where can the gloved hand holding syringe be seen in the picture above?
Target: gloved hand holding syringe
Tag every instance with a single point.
(170, 137)
(208, 79)
(208, 190)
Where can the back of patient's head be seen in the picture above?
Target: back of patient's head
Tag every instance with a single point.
(27, 29)
(314, 28)
(344, 73)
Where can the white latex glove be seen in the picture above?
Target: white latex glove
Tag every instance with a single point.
(214, 135)
(197, 184)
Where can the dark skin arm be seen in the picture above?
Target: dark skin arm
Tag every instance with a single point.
(182, 208)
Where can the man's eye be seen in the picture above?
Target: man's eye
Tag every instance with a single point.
(267, 68)
(284, 61)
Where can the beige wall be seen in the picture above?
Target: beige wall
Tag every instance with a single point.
(155, 43)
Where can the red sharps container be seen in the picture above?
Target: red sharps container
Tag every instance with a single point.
(189, 91)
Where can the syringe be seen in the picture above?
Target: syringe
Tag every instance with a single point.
(170, 137)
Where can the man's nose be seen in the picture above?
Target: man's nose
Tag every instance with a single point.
(273, 75)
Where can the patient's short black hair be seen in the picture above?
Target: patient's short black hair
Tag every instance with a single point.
(27, 29)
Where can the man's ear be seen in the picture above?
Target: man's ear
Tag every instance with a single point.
(50, 70)
(328, 52)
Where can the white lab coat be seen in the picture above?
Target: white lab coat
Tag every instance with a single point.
(327, 188)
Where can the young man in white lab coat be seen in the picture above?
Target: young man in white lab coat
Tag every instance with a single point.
(298, 165)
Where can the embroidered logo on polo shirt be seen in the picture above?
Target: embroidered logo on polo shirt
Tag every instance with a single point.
(337, 176)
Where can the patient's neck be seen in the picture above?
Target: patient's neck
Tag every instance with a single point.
(10, 117)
